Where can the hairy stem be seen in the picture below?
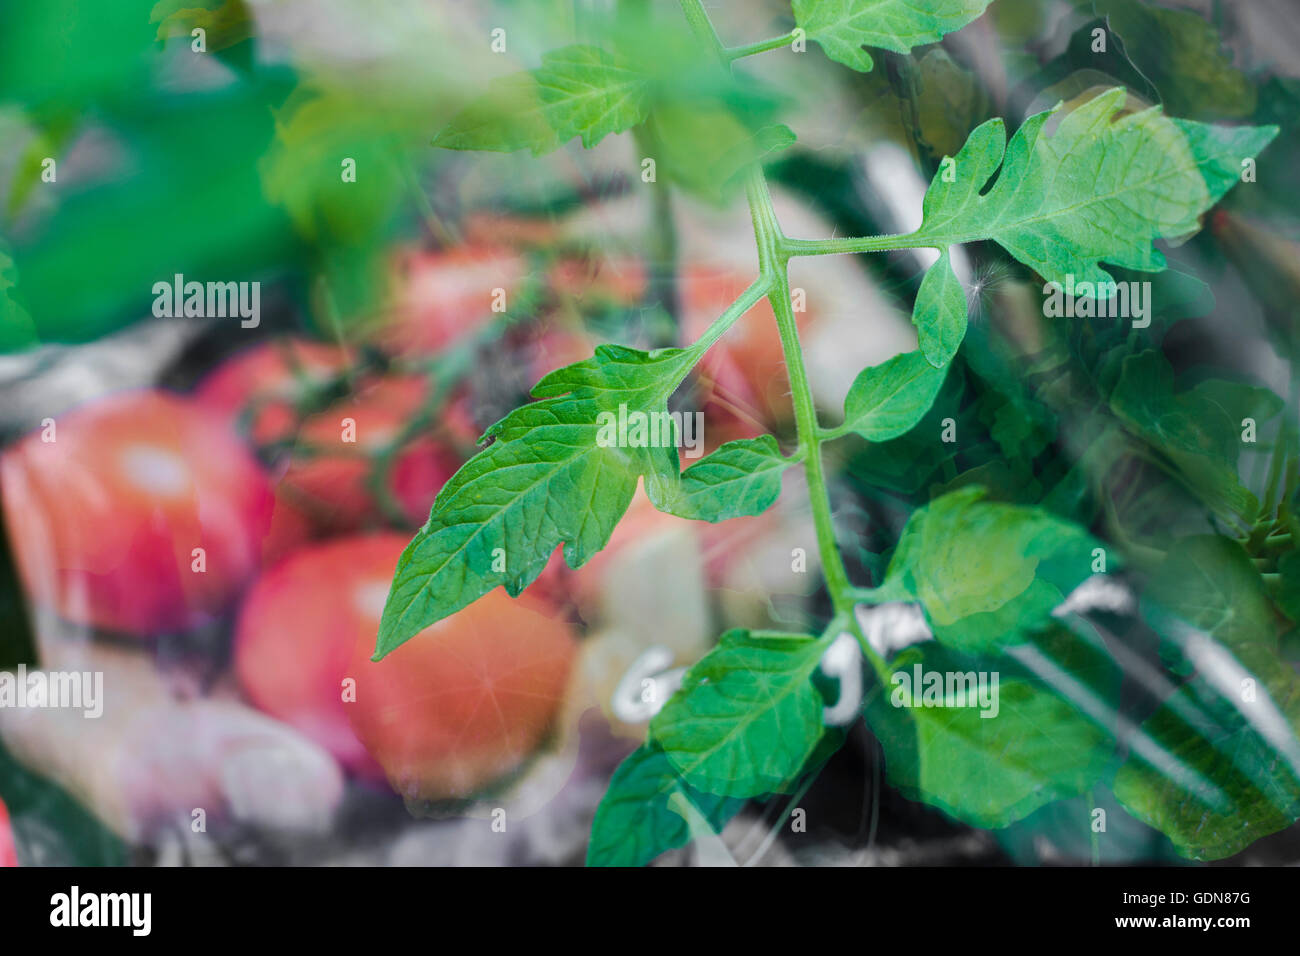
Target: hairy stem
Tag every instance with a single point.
(767, 234)
(738, 52)
(774, 252)
(746, 300)
(837, 247)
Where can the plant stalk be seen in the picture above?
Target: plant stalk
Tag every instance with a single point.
(774, 252)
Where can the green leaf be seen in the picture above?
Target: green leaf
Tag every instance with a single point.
(747, 716)
(1219, 783)
(741, 478)
(16, 328)
(635, 821)
(1288, 598)
(986, 574)
(950, 103)
(887, 400)
(843, 27)
(1100, 186)
(1237, 401)
(588, 92)
(991, 771)
(509, 116)
(1195, 435)
(940, 313)
(557, 472)
(1182, 55)
(704, 147)
(578, 90)
(1209, 582)
(225, 22)
(1222, 768)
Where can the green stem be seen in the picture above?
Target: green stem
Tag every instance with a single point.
(773, 256)
(747, 299)
(738, 52)
(837, 247)
(698, 20)
(772, 260)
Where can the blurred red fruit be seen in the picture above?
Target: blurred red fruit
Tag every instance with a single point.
(493, 228)
(555, 348)
(599, 281)
(105, 518)
(326, 485)
(329, 475)
(8, 853)
(266, 383)
(443, 296)
(458, 706)
(720, 545)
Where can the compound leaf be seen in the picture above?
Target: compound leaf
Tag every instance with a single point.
(1101, 185)
(557, 472)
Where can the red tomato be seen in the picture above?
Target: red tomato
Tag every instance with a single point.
(329, 475)
(492, 228)
(326, 485)
(8, 853)
(721, 545)
(267, 381)
(442, 296)
(456, 707)
(106, 517)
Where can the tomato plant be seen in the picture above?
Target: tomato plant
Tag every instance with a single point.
(916, 373)
(993, 560)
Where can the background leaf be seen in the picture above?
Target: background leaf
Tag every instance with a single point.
(991, 771)
(986, 573)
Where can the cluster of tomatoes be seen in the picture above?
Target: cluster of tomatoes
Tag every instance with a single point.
(279, 492)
